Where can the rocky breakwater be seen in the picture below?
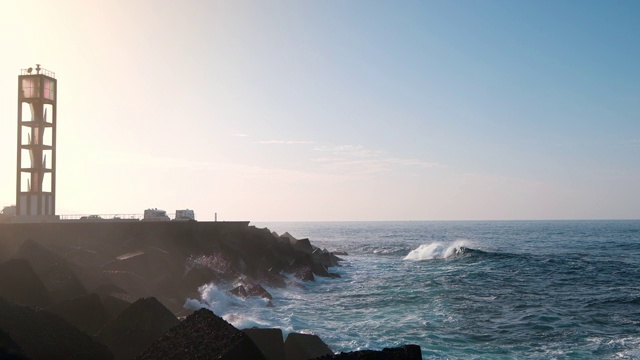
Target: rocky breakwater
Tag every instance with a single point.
(117, 289)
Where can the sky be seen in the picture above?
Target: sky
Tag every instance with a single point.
(334, 110)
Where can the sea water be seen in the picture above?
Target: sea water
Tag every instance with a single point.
(463, 290)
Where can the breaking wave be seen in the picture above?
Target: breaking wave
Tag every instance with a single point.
(438, 250)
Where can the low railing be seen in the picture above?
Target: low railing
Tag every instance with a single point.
(97, 217)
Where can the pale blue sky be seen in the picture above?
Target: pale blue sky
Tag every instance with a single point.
(335, 110)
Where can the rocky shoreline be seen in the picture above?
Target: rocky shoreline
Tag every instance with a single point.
(116, 290)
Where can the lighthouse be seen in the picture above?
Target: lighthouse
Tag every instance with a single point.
(36, 163)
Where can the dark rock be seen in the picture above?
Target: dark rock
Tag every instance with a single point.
(248, 289)
(180, 286)
(149, 263)
(130, 282)
(319, 269)
(304, 274)
(20, 284)
(62, 282)
(289, 237)
(42, 335)
(114, 305)
(336, 258)
(38, 255)
(407, 352)
(136, 328)
(239, 291)
(303, 245)
(273, 278)
(341, 253)
(269, 341)
(57, 274)
(198, 276)
(325, 258)
(108, 288)
(8, 348)
(86, 312)
(258, 290)
(176, 306)
(304, 347)
(203, 335)
(214, 267)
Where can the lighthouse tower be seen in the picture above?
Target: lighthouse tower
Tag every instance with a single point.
(36, 165)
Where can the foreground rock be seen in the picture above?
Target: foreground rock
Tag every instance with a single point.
(8, 348)
(136, 328)
(203, 335)
(20, 284)
(42, 335)
(407, 352)
(57, 274)
(87, 312)
(304, 347)
(269, 341)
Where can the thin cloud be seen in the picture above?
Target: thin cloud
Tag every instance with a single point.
(414, 162)
(240, 135)
(284, 142)
(358, 160)
(349, 150)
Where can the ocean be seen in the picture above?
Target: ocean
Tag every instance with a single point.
(463, 290)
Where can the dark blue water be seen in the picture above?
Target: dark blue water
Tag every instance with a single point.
(465, 290)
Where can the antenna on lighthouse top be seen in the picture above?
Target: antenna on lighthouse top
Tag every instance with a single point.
(37, 68)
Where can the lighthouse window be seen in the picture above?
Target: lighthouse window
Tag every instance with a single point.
(49, 89)
(30, 87)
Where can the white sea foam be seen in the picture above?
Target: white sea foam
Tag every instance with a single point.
(437, 250)
(231, 308)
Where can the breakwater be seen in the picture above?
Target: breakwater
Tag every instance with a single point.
(105, 277)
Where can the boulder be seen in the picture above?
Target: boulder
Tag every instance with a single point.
(325, 258)
(108, 288)
(131, 283)
(8, 348)
(203, 335)
(319, 269)
(248, 290)
(289, 237)
(136, 328)
(239, 291)
(114, 305)
(57, 274)
(272, 277)
(305, 346)
(20, 284)
(38, 255)
(87, 312)
(43, 335)
(407, 352)
(269, 341)
(150, 264)
(196, 277)
(304, 273)
(258, 290)
(303, 245)
(62, 282)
